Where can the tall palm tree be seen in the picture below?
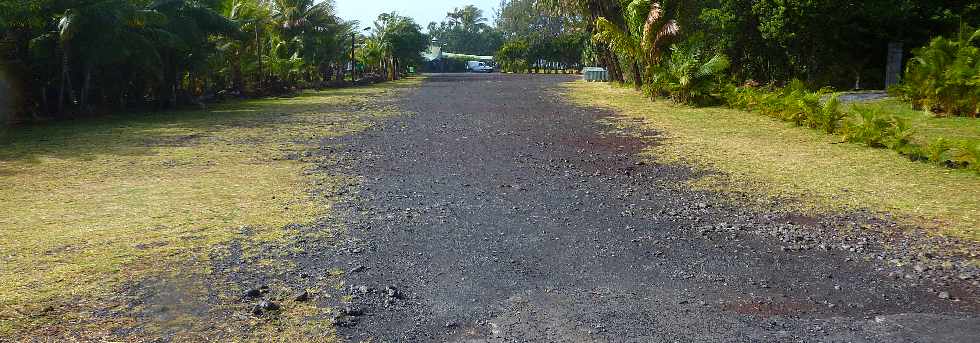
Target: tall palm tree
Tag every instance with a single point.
(189, 25)
(94, 33)
(641, 38)
(591, 11)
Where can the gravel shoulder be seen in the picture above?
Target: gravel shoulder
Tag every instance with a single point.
(498, 213)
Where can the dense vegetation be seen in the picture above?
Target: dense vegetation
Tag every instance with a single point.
(75, 57)
(783, 58)
(944, 76)
(466, 30)
(867, 124)
(823, 42)
(540, 37)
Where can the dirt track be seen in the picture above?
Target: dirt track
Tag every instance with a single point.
(497, 213)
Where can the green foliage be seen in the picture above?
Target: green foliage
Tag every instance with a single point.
(864, 124)
(641, 40)
(967, 153)
(869, 126)
(938, 151)
(539, 35)
(88, 55)
(466, 31)
(690, 75)
(513, 56)
(827, 117)
(401, 41)
(944, 76)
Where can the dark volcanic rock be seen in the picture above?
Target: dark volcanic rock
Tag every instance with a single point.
(523, 218)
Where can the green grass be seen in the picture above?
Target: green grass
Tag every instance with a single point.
(92, 204)
(927, 126)
(762, 156)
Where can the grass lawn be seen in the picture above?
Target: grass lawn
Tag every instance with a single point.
(760, 155)
(927, 126)
(93, 204)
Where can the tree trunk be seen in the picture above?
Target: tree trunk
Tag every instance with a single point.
(395, 75)
(637, 76)
(258, 55)
(45, 107)
(236, 72)
(65, 83)
(86, 86)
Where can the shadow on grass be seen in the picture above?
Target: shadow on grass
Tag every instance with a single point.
(135, 134)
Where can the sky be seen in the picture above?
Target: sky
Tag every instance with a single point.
(423, 11)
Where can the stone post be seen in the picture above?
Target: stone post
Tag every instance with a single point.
(893, 71)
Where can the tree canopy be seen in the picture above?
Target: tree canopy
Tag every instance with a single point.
(466, 30)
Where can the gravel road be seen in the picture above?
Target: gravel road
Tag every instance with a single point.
(498, 213)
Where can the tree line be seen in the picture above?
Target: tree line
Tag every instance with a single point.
(66, 58)
(656, 44)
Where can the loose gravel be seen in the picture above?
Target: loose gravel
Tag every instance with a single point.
(498, 213)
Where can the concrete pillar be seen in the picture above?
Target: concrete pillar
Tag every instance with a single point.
(893, 71)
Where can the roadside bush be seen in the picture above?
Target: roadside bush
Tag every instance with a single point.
(872, 127)
(794, 103)
(691, 75)
(513, 57)
(827, 117)
(939, 151)
(743, 98)
(862, 124)
(899, 138)
(944, 76)
(967, 154)
(868, 126)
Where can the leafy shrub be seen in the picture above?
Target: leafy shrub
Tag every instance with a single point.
(794, 103)
(828, 117)
(967, 154)
(691, 75)
(513, 56)
(899, 138)
(801, 105)
(938, 151)
(738, 97)
(868, 126)
(943, 75)
(863, 124)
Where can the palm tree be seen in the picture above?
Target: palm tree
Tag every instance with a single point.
(98, 33)
(689, 75)
(186, 42)
(641, 38)
(592, 10)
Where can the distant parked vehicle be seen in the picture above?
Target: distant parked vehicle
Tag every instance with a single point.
(478, 67)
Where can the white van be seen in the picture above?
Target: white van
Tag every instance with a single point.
(478, 67)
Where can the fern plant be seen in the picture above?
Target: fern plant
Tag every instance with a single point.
(828, 117)
(690, 75)
(967, 153)
(938, 151)
(868, 126)
(944, 76)
(641, 42)
(898, 137)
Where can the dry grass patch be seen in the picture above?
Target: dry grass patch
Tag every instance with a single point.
(90, 205)
(760, 155)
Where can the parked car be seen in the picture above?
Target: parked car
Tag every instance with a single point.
(478, 67)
